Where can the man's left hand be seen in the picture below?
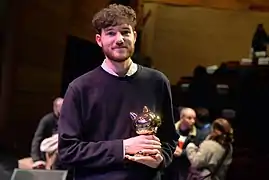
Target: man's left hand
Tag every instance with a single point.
(152, 161)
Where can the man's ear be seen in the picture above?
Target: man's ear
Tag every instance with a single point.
(135, 35)
(98, 39)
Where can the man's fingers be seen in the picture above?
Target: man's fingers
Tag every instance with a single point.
(151, 161)
(155, 138)
(150, 146)
(150, 151)
(158, 157)
(139, 158)
(153, 142)
(132, 158)
(152, 137)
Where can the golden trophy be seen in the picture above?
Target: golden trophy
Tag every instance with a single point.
(146, 123)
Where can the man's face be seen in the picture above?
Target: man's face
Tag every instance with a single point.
(189, 118)
(117, 42)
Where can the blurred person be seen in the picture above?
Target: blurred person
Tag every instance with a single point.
(260, 39)
(210, 160)
(47, 127)
(178, 169)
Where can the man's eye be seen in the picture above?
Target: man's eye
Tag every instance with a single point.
(111, 33)
(125, 32)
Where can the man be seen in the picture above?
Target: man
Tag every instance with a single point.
(46, 128)
(260, 39)
(96, 134)
(178, 169)
(186, 129)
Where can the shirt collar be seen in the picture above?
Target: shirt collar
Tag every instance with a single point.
(193, 131)
(132, 69)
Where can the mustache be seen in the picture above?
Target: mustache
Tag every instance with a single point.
(118, 47)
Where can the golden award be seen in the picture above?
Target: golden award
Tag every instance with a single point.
(146, 123)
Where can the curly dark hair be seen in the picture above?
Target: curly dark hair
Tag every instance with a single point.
(113, 15)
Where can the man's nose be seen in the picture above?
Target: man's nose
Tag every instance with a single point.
(120, 38)
(191, 120)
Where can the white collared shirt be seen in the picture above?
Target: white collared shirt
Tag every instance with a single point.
(132, 69)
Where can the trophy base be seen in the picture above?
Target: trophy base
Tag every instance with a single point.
(140, 153)
(146, 132)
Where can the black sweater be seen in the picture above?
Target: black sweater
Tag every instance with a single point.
(95, 119)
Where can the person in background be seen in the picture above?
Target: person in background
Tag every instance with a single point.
(47, 127)
(178, 169)
(214, 155)
(260, 39)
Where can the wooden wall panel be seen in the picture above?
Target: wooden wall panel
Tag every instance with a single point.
(8, 74)
(198, 35)
(257, 5)
(33, 79)
(82, 14)
(176, 2)
(36, 57)
(81, 19)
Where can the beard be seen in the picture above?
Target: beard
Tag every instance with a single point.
(118, 55)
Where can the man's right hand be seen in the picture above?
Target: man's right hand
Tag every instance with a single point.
(142, 142)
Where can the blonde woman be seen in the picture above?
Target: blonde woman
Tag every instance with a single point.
(210, 161)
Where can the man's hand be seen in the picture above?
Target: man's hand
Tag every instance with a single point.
(191, 145)
(39, 165)
(152, 161)
(146, 143)
(178, 151)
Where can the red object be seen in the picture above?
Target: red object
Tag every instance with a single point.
(180, 144)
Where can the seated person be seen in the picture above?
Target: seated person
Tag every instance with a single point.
(214, 155)
(178, 169)
(46, 128)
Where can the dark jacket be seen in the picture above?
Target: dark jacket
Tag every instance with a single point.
(178, 169)
(46, 128)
